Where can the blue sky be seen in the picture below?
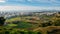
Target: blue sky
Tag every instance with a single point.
(28, 4)
(31, 2)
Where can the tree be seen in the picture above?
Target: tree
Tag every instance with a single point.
(2, 20)
(49, 23)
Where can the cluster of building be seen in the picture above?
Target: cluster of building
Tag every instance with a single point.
(11, 14)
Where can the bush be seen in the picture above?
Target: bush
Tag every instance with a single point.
(15, 31)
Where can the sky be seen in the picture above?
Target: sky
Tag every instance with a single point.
(7, 5)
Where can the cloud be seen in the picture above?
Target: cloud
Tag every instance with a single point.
(19, 8)
(44, 1)
(20, 0)
(39, 1)
(35, 2)
(2, 1)
(55, 1)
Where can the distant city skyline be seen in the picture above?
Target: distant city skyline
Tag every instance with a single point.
(6, 5)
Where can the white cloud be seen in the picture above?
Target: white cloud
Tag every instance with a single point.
(20, 0)
(55, 1)
(44, 1)
(38, 1)
(18, 8)
(2, 1)
(7, 8)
